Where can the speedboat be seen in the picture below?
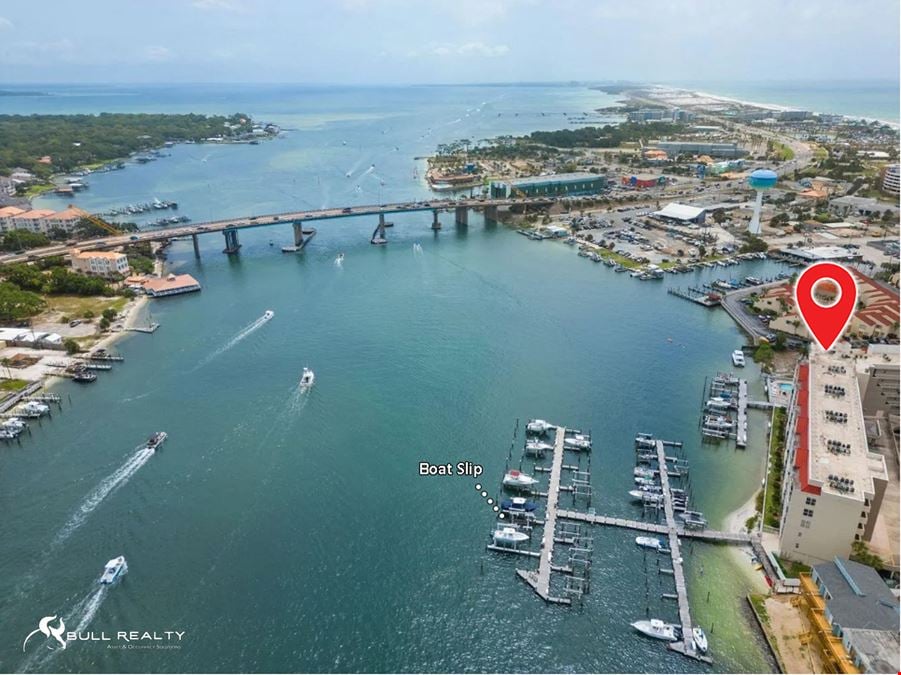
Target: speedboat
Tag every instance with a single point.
(340, 258)
(657, 629)
(643, 473)
(539, 427)
(518, 504)
(157, 440)
(537, 447)
(699, 638)
(509, 536)
(268, 314)
(642, 442)
(35, 408)
(718, 403)
(307, 378)
(114, 569)
(649, 542)
(518, 479)
(738, 358)
(643, 496)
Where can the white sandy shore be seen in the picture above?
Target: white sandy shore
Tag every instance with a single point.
(735, 521)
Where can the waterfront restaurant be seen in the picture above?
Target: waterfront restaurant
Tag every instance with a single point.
(172, 284)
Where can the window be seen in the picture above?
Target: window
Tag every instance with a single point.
(808, 513)
(811, 501)
(805, 524)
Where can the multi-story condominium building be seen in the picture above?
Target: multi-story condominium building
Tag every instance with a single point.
(100, 263)
(832, 484)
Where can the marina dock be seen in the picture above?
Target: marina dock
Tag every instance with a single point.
(540, 580)
(741, 431)
(714, 536)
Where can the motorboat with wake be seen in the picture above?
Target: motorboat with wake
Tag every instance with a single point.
(307, 378)
(268, 314)
(518, 479)
(518, 504)
(157, 440)
(114, 569)
(657, 629)
(509, 536)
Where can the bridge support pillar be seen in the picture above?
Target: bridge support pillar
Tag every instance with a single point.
(491, 214)
(301, 237)
(378, 235)
(196, 245)
(231, 241)
(436, 224)
(461, 216)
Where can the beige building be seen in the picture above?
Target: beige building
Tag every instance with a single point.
(39, 220)
(100, 263)
(7, 217)
(832, 485)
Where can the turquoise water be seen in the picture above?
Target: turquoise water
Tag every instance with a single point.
(872, 99)
(285, 531)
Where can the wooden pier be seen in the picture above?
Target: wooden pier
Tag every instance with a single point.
(540, 580)
(696, 295)
(713, 536)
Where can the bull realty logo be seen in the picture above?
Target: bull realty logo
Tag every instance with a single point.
(63, 638)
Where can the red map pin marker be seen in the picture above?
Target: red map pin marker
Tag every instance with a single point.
(826, 322)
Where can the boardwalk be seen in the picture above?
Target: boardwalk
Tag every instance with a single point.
(741, 429)
(540, 581)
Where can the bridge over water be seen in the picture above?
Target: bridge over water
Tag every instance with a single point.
(300, 222)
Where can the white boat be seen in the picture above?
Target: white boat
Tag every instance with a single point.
(114, 569)
(13, 424)
(718, 423)
(718, 403)
(518, 479)
(643, 473)
(642, 496)
(538, 427)
(649, 542)
(509, 536)
(307, 378)
(339, 259)
(576, 443)
(738, 358)
(657, 629)
(644, 480)
(699, 638)
(536, 448)
(268, 314)
(34, 408)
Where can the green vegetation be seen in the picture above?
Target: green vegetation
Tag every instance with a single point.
(780, 151)
(757, 601)
(792, 569)
(862, 554)
(140, 258)
(72, 346)
(753, 245)
(72, 141)
(58, 281)
(763, 354)
(605, 137)
(16, 304)
(887, 269)
(83, 307)
(22, 240)
(773, 499)
(13, 384)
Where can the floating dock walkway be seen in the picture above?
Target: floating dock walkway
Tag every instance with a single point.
(714, 536)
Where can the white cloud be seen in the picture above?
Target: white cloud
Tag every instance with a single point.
(157, 53)
(5, 23)
(447, 49)
(482, 49)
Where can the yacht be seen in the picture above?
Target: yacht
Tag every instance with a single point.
(738, 358)
(518, 504)
(649, 542)
(114, 569)
(643, 473)
(645, 496)
(718, 403)
(644, 480)
(307, 378)
(656, 628)
(518, 479)
(268, 314)
(538, 427)
(13, 424)
(699, 638)
(576, 443)
(509, 536)
(718, 423)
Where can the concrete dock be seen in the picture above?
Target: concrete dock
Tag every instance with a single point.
(713, 536)
(741, 428)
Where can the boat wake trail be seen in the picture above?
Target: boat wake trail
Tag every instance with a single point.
(298, 400)
(107, 486)
(417, 248)
(243, 333)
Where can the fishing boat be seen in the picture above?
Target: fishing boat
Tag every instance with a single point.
(114, 569)
(518, 479)
(699, 637)
(539, 427)
(738, 358)
(657, 629)
(307, 378)
(509, 536)
(83, 375)
(518, 504)
(649, 542)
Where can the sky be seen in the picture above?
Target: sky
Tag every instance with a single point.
(447, 41)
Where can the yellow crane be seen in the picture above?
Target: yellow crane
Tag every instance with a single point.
(98, 221)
